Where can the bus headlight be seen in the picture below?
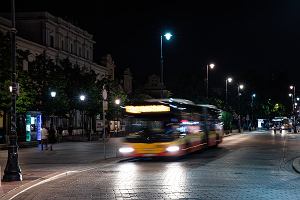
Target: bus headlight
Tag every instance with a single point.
(173, 148)
(126, 150)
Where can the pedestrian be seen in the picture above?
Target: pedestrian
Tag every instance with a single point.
(59, 134)
(44, 138)
(52, 137)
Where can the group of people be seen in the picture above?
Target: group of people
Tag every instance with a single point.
(48, 136)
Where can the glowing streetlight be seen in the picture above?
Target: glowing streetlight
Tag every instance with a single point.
(228, 80)
(211, 66)
(117, 101)
(53, 94)
(168, 36)
(82, 97)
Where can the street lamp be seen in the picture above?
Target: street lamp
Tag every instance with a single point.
(82, 99)
(228, 80)
(12, 170)
(240, 87)
(252, 97)
(53, 95)
(117, 102)
(168, 37)
(293, 87)
(211, 66)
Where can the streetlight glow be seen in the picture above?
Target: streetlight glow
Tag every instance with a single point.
(241, 86)
(229, 80)
(298, 99)
(82, 97)
(254, 95)
(212, 65)
(117, 101)
(168, 36)
(291, 87)
(53, 94)
(290, 94)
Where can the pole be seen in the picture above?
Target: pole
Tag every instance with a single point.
(226, 97)
(207, 81)
(294, 113)
(12, 170)
(239, 115)
(104, 126)
(161, 66)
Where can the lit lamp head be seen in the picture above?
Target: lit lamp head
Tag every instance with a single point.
(168, 36)
(53, 94)
(82, 97)
(253, 95)
(241, 86)
(290, 94)
(117, 101)
(211, 65)
(298, 99)
(291, 87)
(229, 80)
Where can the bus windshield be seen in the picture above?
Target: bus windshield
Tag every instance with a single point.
(150, 130)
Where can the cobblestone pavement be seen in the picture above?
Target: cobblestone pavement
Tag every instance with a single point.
(245, 166)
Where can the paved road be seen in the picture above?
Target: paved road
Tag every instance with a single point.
(246, 166)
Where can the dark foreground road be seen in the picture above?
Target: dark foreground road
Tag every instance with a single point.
(246, 166)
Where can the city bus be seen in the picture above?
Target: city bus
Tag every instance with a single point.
(170, 128)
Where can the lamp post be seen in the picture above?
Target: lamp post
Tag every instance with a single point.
(211, 66)
(252, 99)
(240, 87)
(82, 99)
(168, 37)
(53, 95)
(228, 80)
(12, 170)
(117, 102)
(293, 87)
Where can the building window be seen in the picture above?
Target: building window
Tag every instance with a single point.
(51, 41)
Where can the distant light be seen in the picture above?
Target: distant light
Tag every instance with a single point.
(117, 101)
(229, 79)
(211, 65)
(241, 86)
(296, 104)
(291, 87)
(253, 95)
(53, 94)
(168, 36)
(82, 97)
(298, 98)
(290, 94)
(10, 88)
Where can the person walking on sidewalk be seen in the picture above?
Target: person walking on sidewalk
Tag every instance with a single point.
(52, 137)
(44, 138)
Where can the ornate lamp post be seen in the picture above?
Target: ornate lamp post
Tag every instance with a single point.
(211, 66)
(12, 170)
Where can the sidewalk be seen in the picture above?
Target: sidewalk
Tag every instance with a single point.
(37, 165)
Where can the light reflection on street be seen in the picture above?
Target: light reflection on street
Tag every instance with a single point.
(175, 178)
(127, 176)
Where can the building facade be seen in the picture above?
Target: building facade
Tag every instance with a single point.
(41, 32)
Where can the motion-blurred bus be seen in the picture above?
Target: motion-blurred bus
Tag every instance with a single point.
(170, 127)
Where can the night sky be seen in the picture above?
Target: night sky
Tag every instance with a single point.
(255, 41)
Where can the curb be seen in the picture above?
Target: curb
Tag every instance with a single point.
(296, 165)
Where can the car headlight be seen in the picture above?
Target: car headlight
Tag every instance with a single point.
(173, 148)
(126, 150)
